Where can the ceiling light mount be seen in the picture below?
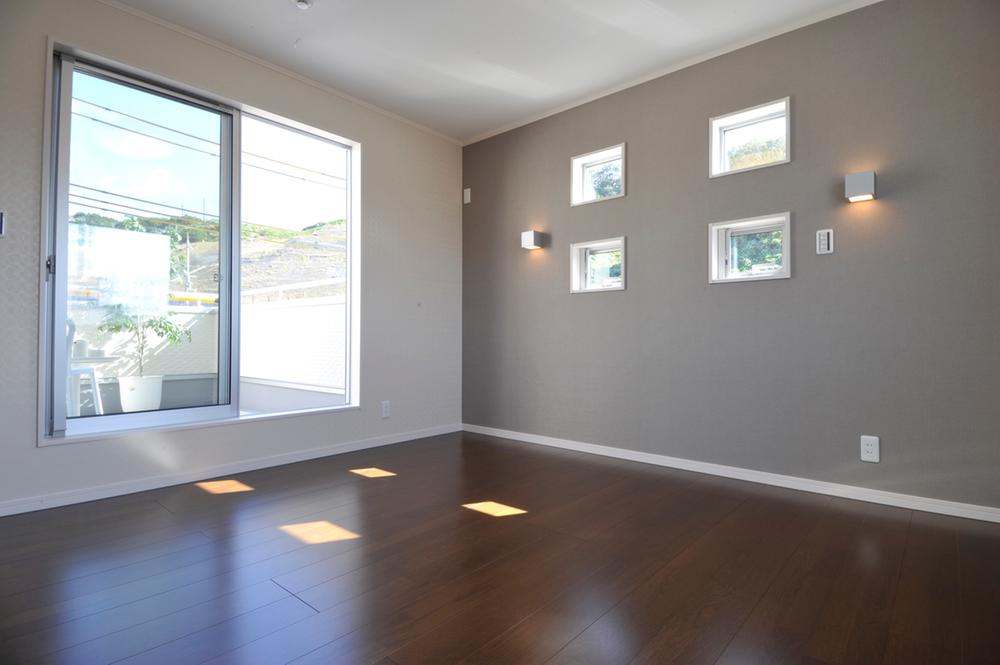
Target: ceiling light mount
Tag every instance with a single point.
(303, 4)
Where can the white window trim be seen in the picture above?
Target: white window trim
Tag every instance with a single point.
(719, 234)
(716, 138)
(578, 267)
(116, 425)
(574, 167)
(203, 423)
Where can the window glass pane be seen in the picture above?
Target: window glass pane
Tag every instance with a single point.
(598, 175)
(604, 268)
(755, 144)
(294, 269)
(752, 254)
(602, 180)
(144, 251)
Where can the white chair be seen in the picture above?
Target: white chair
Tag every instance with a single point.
(74, 377)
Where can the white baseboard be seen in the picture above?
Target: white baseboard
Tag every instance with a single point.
(154, 482)
(967, 510)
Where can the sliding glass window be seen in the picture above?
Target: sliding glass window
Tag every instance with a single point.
(294, 299)
(142, 296)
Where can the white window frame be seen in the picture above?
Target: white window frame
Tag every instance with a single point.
(720, 234)
(53, 426)
(580, 163)
(718, 126)
(578, 263)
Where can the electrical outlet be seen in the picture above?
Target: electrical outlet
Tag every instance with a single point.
(870, 449)
(386, 408)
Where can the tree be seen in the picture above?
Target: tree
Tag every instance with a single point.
(120, 319)
(756, 152)
(607, 180)
(757, 249)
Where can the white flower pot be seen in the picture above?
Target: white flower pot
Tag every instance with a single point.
(140, 393)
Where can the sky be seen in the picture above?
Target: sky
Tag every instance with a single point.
(135, 151)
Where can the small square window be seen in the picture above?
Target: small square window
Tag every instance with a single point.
(751, 139)
(750, 249)
(598, 265)
(598, 175)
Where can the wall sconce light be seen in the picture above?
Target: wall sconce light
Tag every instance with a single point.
(859, 186)
(532, 239)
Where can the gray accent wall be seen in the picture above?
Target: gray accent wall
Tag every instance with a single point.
(897, 334)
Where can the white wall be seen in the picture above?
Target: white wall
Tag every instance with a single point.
(411, 264)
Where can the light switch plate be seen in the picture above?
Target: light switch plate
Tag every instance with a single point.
(824, 241)
(467, 195)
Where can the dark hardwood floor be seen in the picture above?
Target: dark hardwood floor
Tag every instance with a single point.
(613, 562)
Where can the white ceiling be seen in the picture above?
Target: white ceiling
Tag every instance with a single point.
(467, 68)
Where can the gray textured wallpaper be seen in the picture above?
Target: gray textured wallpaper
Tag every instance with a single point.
(895, 334)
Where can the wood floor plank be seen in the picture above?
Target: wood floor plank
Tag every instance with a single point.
(241, 561)
(642, 553)
(137, 639)
(831, 602)
(979, 569)
(222, 637)
(691, 608)
(613, 562)
(395, 604)
(926, 615)
(466, 608)
(36, 574)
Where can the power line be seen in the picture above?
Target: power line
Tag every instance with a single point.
(163, 205)
(148, 122)
(294, 166)
(131, 214)
(172, 222)
(149, 136)
(135, 198)
(211, 154)
(198, 138)
(292, 176)
(125, 205)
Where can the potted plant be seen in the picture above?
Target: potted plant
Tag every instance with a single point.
(142, 393)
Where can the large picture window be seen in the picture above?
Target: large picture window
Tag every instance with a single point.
(167, 300)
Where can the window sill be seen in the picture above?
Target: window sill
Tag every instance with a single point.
(759, 278)
(745, 169)
(600, 200)
(46, 441)
(601, 290)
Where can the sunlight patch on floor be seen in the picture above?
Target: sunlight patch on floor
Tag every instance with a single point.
(494, 509)
(224, 486)
(315, 533)
(373, 472)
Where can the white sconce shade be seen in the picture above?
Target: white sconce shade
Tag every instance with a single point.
(532, 239)
(859, 186)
